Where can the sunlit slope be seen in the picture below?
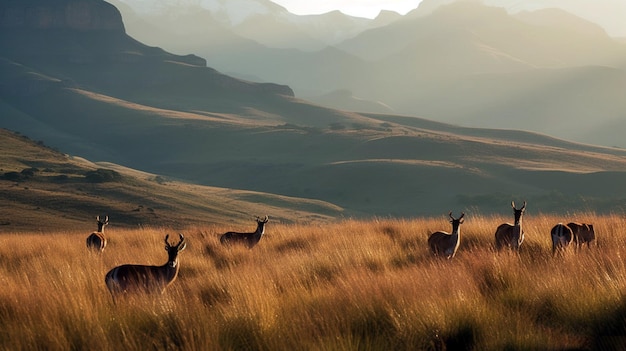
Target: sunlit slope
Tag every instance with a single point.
(42, 188)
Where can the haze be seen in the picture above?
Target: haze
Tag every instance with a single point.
(357, 8)
(547, 64)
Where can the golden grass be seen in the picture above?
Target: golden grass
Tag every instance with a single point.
(353, 285)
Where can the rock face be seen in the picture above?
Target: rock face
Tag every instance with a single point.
(84, 15)
(85, 43)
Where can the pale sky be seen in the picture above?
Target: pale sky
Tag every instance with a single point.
(358, 8)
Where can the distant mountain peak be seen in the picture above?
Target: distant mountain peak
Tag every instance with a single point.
(232, 12)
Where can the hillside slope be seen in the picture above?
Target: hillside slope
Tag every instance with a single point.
(43, 189)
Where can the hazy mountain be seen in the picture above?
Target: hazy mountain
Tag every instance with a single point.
(417, 74)
(72, 78)
(262, 21)
(345, 100)
(453, 61)
(609, 14)
(456, 68)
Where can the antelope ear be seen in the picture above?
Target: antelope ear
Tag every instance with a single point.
(167, 247)
(182, 247)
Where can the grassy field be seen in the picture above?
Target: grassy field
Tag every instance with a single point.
(351, 285)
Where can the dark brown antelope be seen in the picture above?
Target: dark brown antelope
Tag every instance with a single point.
(146, 279)
(96, 241)
(583, 233)
(511, 235)
(249, 239)
(444, 244)
(561, 237)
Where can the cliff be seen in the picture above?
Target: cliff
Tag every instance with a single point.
(84, 15)
(45, 44)
(73, 31)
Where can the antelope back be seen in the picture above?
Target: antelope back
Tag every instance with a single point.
(561, 237)
(96, 241)
(583, 233)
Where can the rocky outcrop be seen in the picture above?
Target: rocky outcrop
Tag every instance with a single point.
(83, 15)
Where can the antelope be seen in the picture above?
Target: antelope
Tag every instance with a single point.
(146, 279)
(442, 243)
(511, 235)
(583, 233)
(249, 239)
(561, 237)
(97, 241)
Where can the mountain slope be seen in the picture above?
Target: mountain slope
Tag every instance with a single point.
(106, 97)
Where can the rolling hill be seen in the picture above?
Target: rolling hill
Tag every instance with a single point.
(44, 189)
(90, 90)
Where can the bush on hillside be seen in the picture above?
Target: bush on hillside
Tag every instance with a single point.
(102, 175)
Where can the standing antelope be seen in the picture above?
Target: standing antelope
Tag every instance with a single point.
(583, 233)
(97, 241)
(130, 277)
(561, 237)
(250, 239)
(442, 243)
(511, 235)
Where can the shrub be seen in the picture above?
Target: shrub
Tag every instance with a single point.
(102, 175)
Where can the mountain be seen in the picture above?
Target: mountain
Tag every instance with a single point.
(457, 69)
(605, 13)
(458, 62)
(261, 21)
(95, 92)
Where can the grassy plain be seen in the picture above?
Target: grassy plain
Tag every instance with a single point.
(350, 285)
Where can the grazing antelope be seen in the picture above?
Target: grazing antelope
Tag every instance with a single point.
(97, 241)
(511, 235)
(250, 239)
(583, 233)
(561, 237)
(146, 279)
(442, 243)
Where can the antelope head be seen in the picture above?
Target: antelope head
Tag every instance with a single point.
(456, 221)
(518, 212)
(173, 250)
(102, 223)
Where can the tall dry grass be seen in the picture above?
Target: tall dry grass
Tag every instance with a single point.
(354, 285)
